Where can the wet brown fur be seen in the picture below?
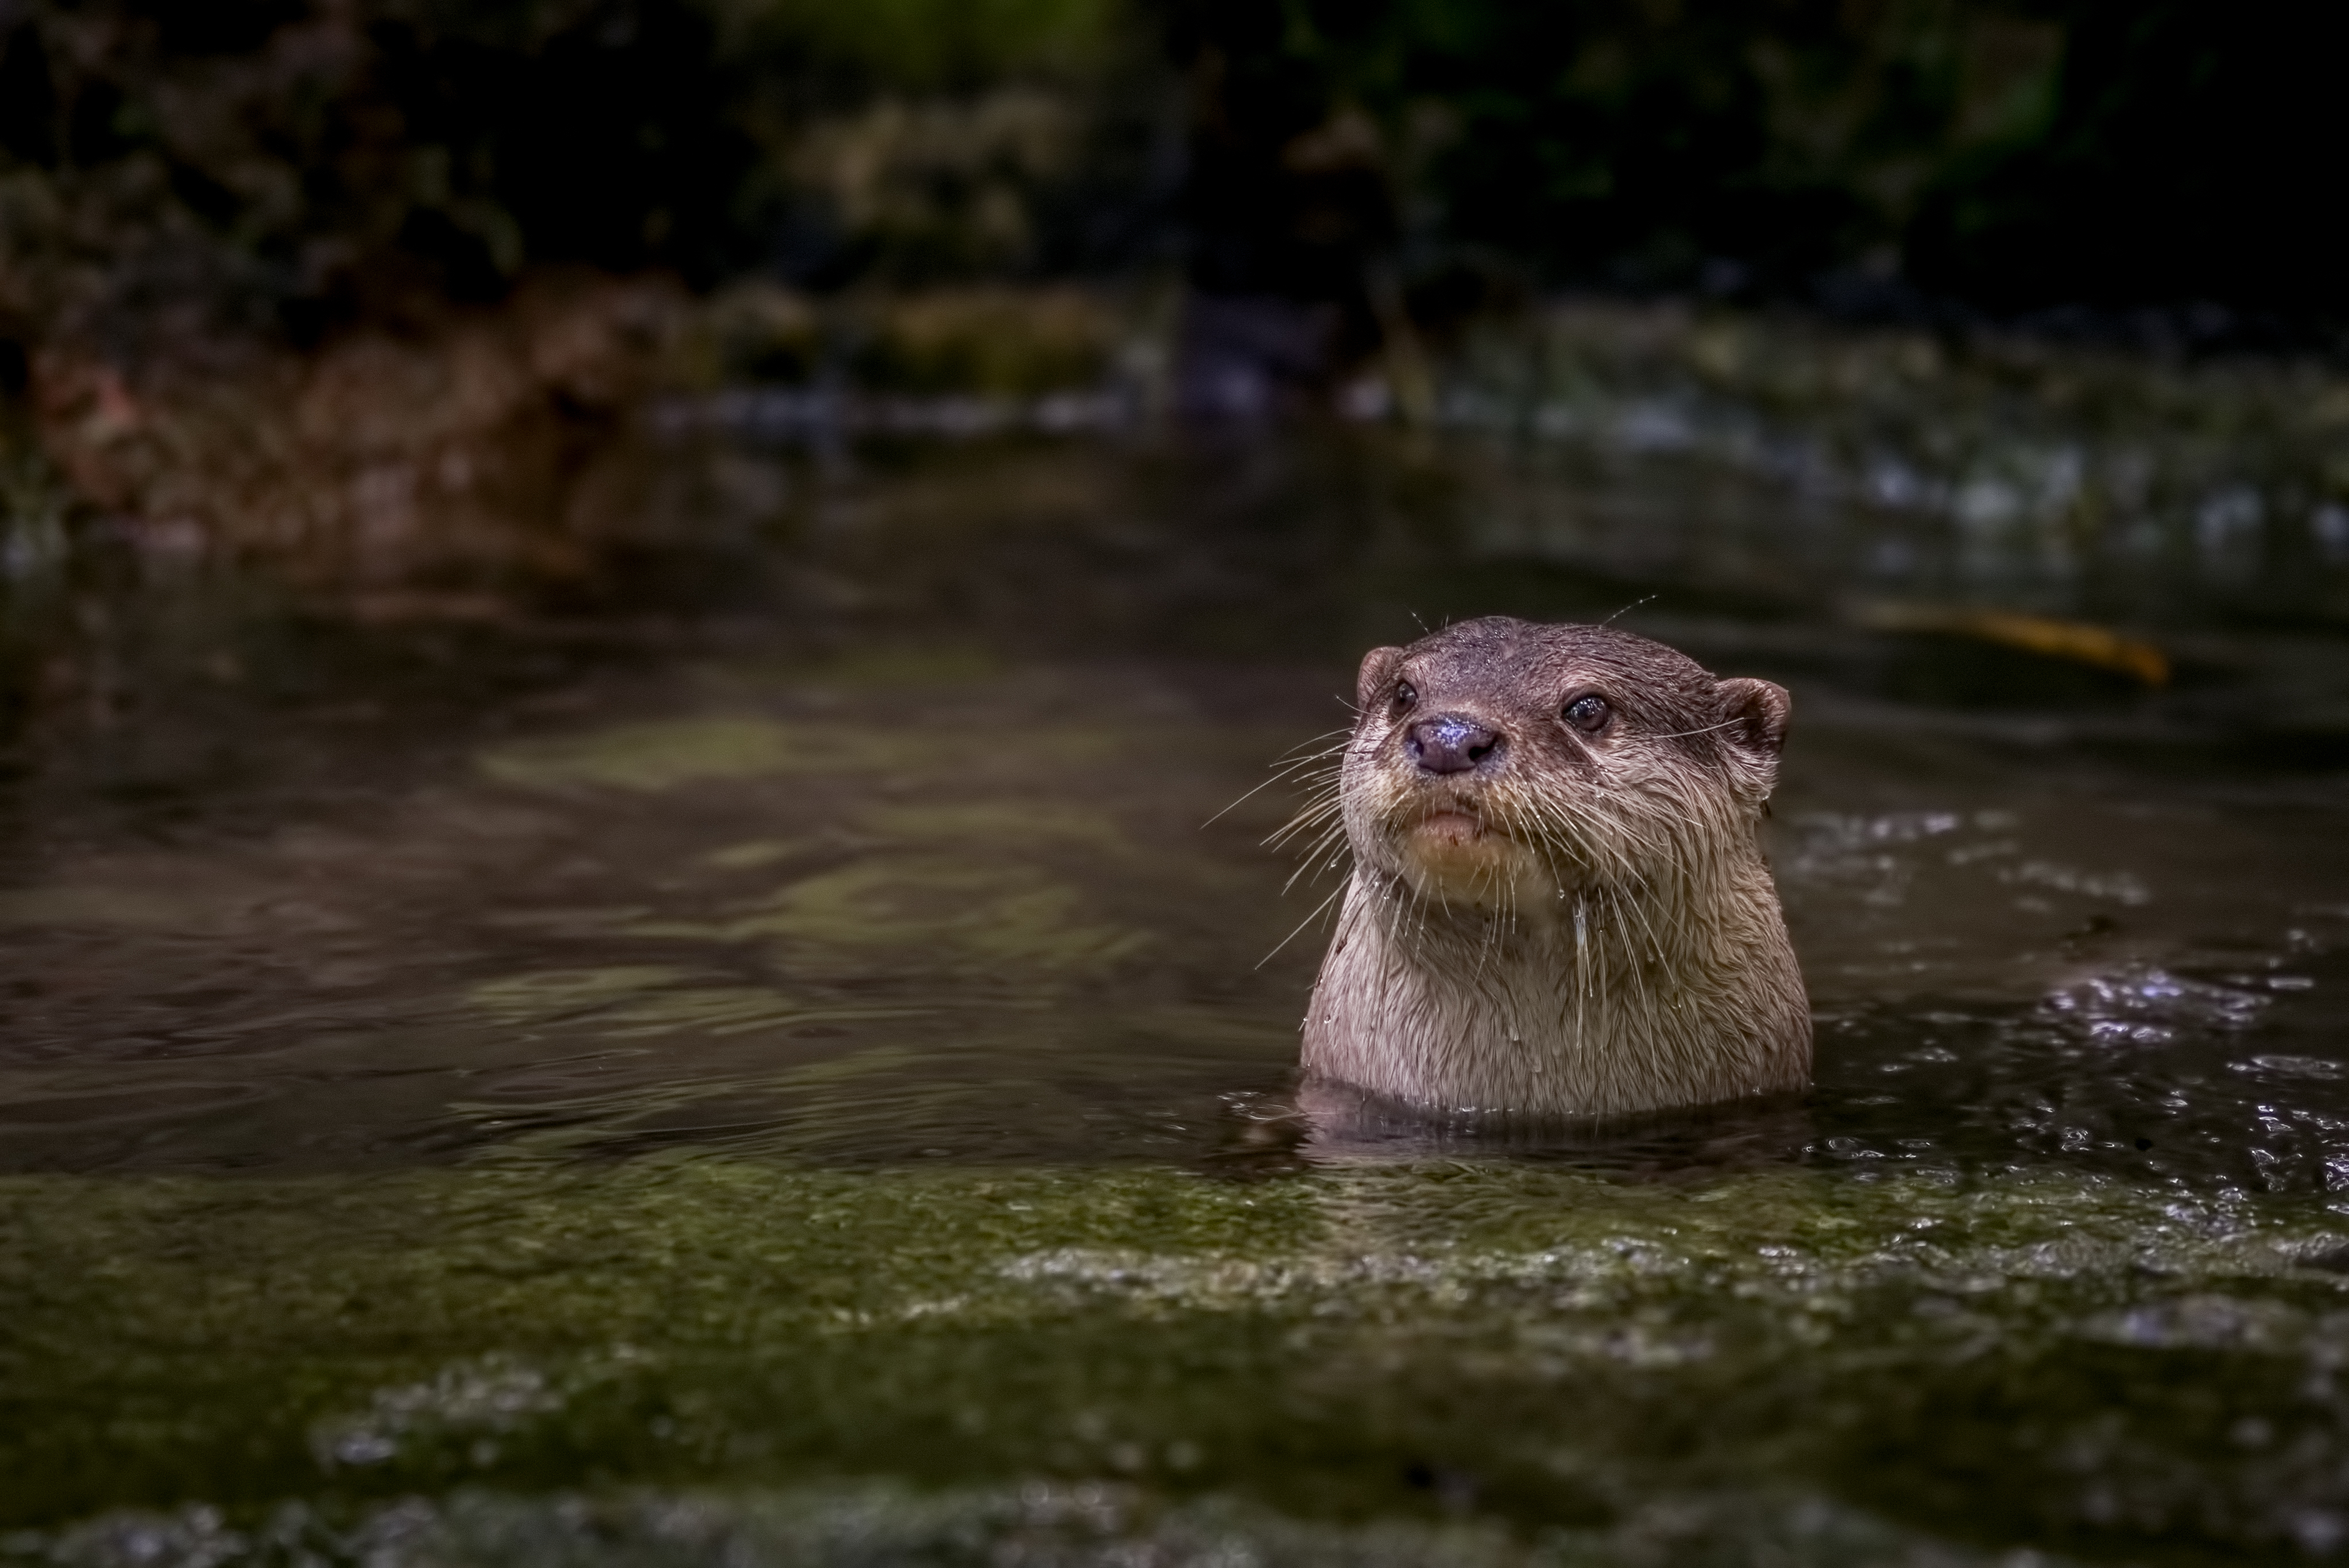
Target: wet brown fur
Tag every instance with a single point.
(1610, 940)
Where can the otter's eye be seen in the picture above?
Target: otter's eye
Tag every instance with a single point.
(1588, 714)
(1405, 693)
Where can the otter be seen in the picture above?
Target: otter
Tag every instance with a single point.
(1559, 903)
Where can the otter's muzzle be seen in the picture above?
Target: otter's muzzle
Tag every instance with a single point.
(1450, 743)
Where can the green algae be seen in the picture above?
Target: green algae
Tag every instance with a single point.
(1086, 1524)
(2090, 1353)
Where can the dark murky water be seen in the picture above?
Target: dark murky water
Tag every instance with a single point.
(762, 1061)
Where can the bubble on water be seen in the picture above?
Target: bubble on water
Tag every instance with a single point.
(1036, 1525)
(2289, 1067)
(2319, 1530)
(2148, 1006)
(2330, 526)
(492, 1394)
(2120, 887)
(363, 1447)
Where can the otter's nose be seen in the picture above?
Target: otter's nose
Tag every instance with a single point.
(1449, 744)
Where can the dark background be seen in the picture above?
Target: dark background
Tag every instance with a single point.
(283, 168)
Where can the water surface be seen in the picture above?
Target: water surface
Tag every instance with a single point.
(772, 1054)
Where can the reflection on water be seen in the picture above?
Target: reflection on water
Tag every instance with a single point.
(760, 1058)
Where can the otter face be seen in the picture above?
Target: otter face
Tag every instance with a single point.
(1503, 764)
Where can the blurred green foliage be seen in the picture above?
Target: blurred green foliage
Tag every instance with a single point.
(166, 164)
(921, 46)
(177, 165)
(2017, 154)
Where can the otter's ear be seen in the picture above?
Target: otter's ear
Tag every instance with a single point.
(1756, 712)
(1378, 669)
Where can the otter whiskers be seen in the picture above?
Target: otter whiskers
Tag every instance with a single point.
(1557, 899)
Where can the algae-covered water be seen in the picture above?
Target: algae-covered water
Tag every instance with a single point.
(769, 1053)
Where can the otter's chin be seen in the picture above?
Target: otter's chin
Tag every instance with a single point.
(1455, 858)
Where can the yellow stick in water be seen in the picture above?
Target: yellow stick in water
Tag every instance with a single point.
(2079, 640)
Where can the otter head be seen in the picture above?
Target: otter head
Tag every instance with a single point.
(1505, 765)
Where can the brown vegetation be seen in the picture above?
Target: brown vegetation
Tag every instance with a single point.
(445, 452)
